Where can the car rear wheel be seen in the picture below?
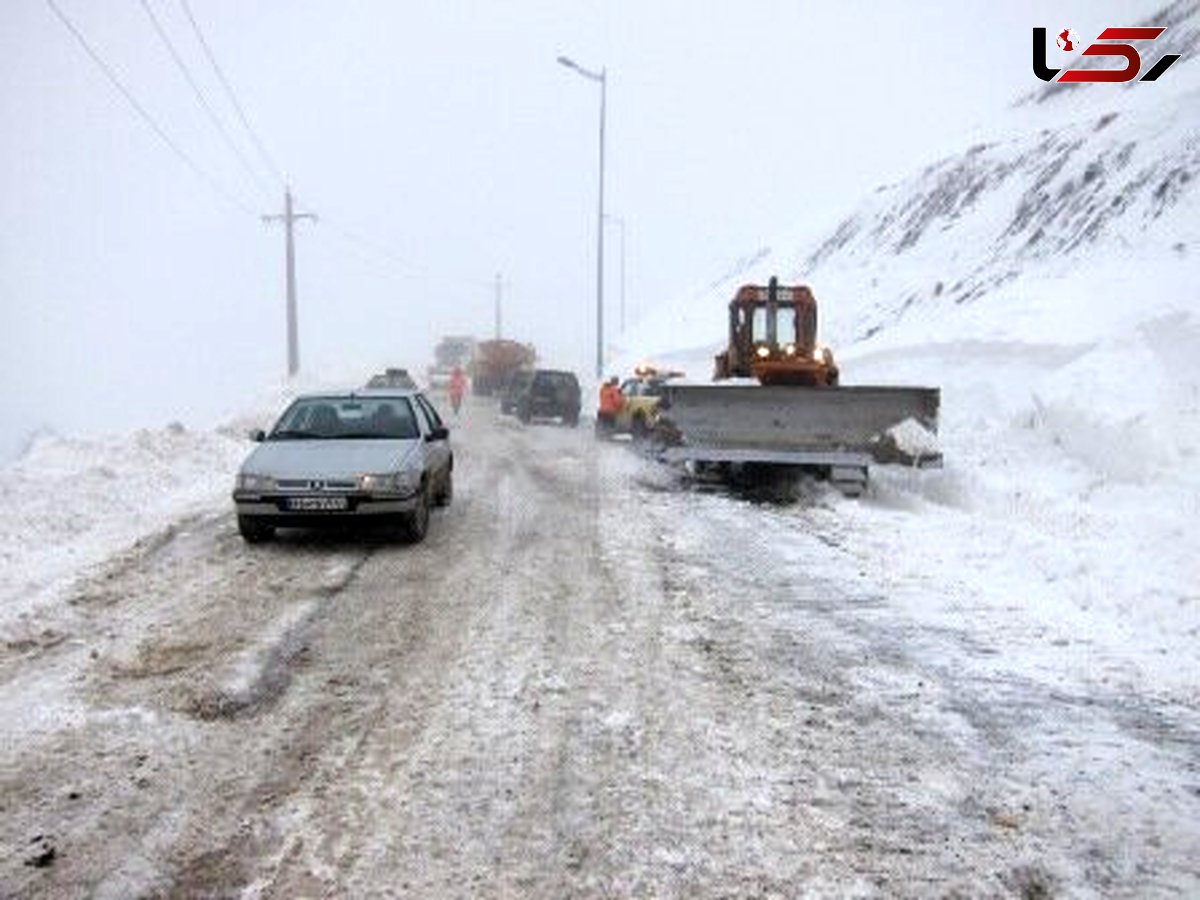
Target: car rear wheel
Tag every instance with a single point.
(416, 523)
(254, 530)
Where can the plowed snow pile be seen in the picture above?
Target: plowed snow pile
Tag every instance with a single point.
(1047, 281)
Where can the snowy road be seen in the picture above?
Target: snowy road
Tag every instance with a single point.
(587, 682)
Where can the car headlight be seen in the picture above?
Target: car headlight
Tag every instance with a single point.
(389, 483)
(789, 349)
(248, 481)
(819, 354)
(763, 351)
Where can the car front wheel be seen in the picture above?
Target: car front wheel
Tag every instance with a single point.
(416, 523)
(446, 494)
(254, 530)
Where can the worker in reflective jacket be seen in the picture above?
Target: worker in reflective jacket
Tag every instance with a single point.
(611, 401)
(458, 387)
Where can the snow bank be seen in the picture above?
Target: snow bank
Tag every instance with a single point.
(1046, 279)
(77, 502)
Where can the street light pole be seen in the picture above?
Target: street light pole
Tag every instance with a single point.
(602, 78)
(620, 223)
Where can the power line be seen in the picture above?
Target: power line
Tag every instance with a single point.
(230, 93)
(377, 249)
(145, 116)
(200, 98)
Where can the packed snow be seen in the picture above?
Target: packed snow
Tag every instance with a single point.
(1045, 280)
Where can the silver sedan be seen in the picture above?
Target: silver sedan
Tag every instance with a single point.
(378, 455)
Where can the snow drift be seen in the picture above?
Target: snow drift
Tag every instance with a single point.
(1045, 277)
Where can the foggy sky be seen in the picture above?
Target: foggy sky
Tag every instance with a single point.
(441, 144)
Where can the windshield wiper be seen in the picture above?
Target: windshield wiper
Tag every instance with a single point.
(376, 436)
(289, 434)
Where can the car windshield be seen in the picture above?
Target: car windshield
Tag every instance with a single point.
(555, 380)
(356, 418)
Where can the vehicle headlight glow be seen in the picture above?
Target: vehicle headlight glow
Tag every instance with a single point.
(789, 349)
(388, 483)
(249, 481)
(819, 354)
(763, 351)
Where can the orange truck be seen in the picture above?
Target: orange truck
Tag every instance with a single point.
(496, 361)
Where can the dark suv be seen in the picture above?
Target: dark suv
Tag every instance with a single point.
(513, 389)
(550, 393)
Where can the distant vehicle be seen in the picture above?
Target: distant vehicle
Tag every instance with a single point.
(641, 395)
(392, 378)
(549, 394)
(516, 385)
(376, 455)
(495, 362)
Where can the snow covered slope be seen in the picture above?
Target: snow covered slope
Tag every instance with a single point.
(1047, 277)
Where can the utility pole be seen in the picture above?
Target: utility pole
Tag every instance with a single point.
(289, 218)
(499, 319)
(600, 240)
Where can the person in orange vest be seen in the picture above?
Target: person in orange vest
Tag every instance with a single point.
(458, 387)
(611, 401)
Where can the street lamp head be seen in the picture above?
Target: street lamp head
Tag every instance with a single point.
(586, 73)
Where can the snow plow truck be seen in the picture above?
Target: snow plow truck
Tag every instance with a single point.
(776, 400)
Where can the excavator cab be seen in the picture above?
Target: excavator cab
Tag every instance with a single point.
(773, 338)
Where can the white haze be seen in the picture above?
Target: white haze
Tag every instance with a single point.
(132, 294)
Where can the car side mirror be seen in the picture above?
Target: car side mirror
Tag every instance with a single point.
(438, 434)
(257, 435)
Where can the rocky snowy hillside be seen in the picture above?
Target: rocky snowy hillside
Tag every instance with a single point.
(1045, 275)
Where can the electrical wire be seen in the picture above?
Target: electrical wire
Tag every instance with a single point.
(187, 160)
(379, 251)
(204, 104)
(229, 92)
(376, 249)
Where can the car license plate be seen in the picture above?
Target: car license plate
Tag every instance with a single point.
(317, 504)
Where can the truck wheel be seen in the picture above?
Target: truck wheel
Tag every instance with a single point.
(524, 414)
(254, 530)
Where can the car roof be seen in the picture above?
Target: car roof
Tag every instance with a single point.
(360, 392)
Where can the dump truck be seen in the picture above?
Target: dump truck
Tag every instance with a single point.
(495, 363)
(776, 400)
